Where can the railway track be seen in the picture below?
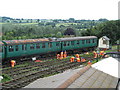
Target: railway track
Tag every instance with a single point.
(22, 76)
(22, 61)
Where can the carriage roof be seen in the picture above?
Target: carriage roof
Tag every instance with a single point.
(77, 38)
(25, 41)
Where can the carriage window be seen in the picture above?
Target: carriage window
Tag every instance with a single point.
(50, 45)
(24, 47)
(2, 49)
(37, 45)
(11, 49)
(72, 42)
(57, 44)
(43, 45)
(16, 47)
(87, 41)
(77, 42)
(68, 43)
(64, 43)
(93, 40)
(32, 46)
(83, 42)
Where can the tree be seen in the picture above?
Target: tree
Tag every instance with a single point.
(69, 31)
(59, 35)
(110, 29)
(71, 20)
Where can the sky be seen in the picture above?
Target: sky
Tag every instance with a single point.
(60, 9)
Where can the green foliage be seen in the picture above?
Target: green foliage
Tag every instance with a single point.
(37, 28)
(111, 29)
(87, 55)
(5, 78)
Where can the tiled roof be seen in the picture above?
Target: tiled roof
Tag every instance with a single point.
(106, 38)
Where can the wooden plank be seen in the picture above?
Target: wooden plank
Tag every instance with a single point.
(99, 80)
(73, 86)
(88, 83)
(90, 72)
(113, 83)
(96, 74)
(80, 81)
(106, 82)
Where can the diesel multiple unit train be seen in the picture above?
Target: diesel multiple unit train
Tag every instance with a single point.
(11, 49)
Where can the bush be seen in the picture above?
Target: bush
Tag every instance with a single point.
(5, 78)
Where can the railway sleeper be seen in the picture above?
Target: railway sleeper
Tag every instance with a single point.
(60, 69)
(54, 67)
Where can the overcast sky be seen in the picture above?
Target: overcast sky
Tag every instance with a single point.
(60, 9)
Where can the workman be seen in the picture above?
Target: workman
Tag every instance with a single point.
(65, 54)
(77, 56)
(58, 56)
(78, 59)
(101, 53)
(13, 63)
(89, 63)
(72, 59)
(87, 53)
(83, 59)
(95, 54)
(61, 55)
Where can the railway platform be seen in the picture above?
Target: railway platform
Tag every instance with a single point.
(103, 74)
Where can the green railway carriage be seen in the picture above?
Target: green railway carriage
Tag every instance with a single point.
(78, 42)
(2, 50)
(22, 48)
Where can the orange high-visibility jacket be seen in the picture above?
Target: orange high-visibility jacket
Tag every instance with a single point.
(13, 63)
(78, 59)
(72, 59)
(61, 55)
(89, 63)
(95, 54)
(102, 53)
(65, 54)
(58, 56)
(83, 60)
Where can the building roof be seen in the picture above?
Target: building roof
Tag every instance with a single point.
(103, 74)
(94, 78)
(106, 38)
(109, 66)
